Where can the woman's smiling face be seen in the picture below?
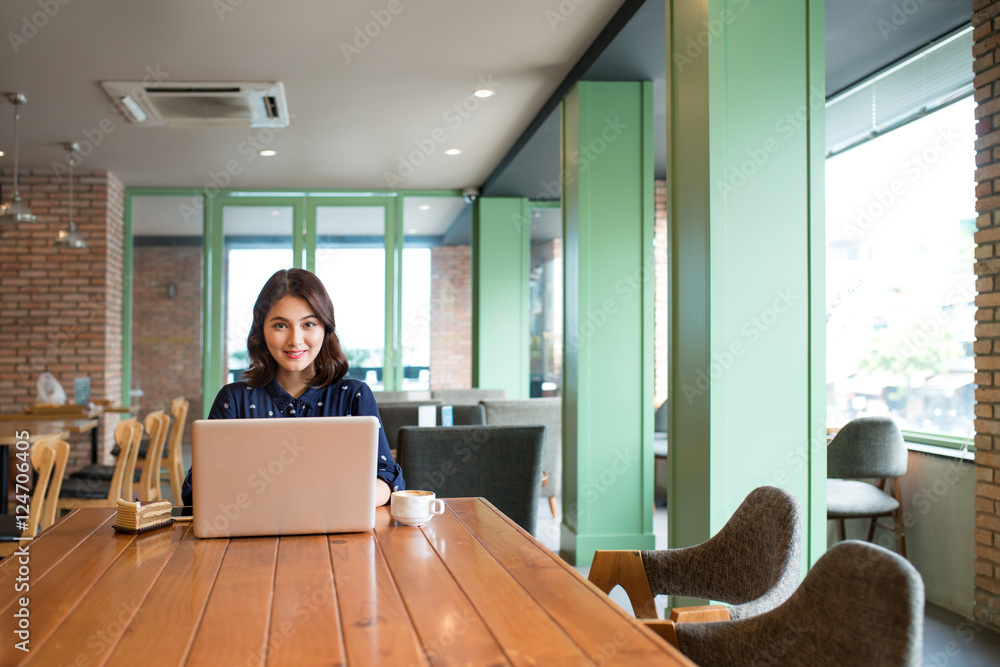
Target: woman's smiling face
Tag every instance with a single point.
(294, 335)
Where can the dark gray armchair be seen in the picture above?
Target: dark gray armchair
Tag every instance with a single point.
(753, 563)
(396, 415)
(500, 463)
(860, 604)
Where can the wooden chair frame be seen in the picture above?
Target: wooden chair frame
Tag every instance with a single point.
(175, 462)
(625, 569)
(897, 514)
(157, 423)
(128, 434)
(43, 461)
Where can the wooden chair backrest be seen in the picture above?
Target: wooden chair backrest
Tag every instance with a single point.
(157, 424)
(175, 463)
(128, 435)
(179, 409)
(61, 450)
(42, 460)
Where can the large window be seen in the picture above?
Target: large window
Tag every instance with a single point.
(900, 283)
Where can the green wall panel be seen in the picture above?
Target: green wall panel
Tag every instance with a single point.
(501, 255)
(608, 291)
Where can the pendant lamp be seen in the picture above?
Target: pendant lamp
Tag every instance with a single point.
(70, 237)
(14, 210)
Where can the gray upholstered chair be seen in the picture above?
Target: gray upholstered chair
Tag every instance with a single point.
(753, 563)
(548, 413)
(400, 396)
(396, 415)
(467, 396)
(868, 447)
(500, 463)
(859, 605)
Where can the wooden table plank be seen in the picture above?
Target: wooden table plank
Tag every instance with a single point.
(525, 632)
(451, 631)
(47, 549)
(234, 627)
(96, 624)
(168, 619)
(305, 622)
(377, 630)
(66, 584)
(583, 612)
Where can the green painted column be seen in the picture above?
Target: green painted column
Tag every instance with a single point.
(501, 262)
(607, 179)
(745, 174)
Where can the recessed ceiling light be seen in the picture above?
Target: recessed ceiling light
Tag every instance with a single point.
(275, 212)
(267, 152)
(452, 151)
(425, 207)
(483, 92)
(1, 153)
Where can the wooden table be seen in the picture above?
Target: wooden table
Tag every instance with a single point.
(76, 424)
(36, 430)
(470, 587)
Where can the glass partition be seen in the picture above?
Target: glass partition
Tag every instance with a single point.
(257, 242)
(350, 260)
(436, 293)
(167, 302)
(546, 306)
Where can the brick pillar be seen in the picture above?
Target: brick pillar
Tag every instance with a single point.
(661, 294)
(62, 308)
(451, 321)
(986, 23)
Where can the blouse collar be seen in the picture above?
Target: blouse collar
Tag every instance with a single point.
(283, 399)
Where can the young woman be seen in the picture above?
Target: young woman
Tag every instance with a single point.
(297, 369)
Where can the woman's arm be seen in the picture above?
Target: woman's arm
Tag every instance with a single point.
(382, 492)
(387, 470)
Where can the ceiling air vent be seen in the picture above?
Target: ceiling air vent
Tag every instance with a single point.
(192, 104)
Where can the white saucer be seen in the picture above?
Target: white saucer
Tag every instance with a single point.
(412, 520)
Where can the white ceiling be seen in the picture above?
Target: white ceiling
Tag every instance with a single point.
(354, 115)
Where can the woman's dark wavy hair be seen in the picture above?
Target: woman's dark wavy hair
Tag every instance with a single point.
(331, 362)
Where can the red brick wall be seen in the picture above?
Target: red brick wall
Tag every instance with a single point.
(166, 331)
(986, 22)
(451, 317)
(62, 307)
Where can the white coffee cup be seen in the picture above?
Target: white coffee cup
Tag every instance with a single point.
(414, 508)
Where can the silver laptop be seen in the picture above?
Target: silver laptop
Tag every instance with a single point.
(283, 476)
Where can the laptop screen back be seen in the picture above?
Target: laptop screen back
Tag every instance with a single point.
(283, 476)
